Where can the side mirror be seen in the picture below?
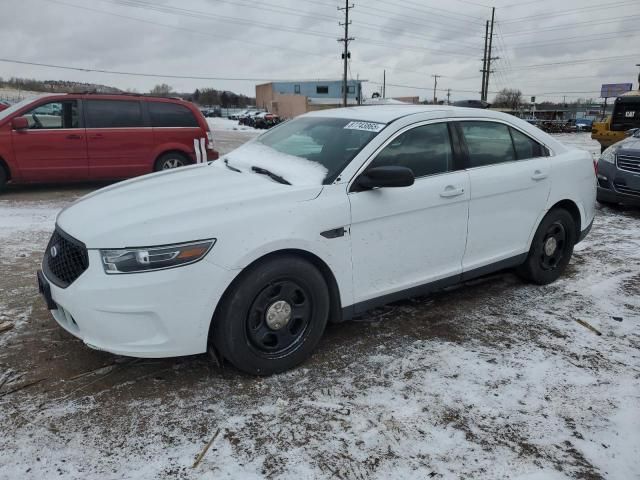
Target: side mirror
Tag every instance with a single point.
(20, 123)
(378, 177)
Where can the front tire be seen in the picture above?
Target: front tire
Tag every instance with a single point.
(273, 316)
(170, 161)
(551, 248)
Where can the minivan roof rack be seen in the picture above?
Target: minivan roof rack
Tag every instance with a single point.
(131, 94)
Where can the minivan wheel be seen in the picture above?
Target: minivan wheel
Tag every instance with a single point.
(170, 160)
(3, 178)
(273, 316)
(551, 248)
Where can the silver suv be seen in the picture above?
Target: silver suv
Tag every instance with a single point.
(619, 172)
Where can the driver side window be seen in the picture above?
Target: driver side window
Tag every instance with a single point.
(54, 115)
(426, 150)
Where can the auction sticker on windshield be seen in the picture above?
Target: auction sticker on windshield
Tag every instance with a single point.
(366, 126)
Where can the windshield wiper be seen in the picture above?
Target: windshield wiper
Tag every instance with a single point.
(264, 171)
(226, 162)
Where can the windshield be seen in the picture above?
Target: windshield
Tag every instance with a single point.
(626, 113)
(14, 108)
(329, 142)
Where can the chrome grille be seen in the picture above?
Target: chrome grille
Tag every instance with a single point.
(65, 259)
(628, 163)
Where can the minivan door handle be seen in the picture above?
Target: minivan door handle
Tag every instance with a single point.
(451, 191)
(97, 136)
(73, 136)
(538, 175)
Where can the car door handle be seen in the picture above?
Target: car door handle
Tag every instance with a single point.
(74, 137)
(451, 191)
(97, 136)
(538, 175)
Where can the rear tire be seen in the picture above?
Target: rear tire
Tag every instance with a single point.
(551, 248)
(3, 178)
(170, 161)
(273, 316)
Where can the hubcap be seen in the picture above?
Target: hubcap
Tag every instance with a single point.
(171, 163)
(278, 315)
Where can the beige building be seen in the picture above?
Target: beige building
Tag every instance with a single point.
(290, 99)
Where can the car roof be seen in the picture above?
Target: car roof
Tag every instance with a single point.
(389, 113)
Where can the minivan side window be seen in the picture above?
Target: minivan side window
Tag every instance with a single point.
(113, 114)
(54, 115)
(426, 150)
(165, 114)
(488, 143)
(526, 147)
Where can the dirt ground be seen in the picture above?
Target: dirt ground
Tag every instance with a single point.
(492, 379)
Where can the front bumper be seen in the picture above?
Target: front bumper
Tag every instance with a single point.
(165, 313)
(610, 177)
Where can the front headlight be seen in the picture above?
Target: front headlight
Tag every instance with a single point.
(144, 259)
(609, 155)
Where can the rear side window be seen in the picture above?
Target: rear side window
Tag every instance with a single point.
(525, 146)
(113, 114)
(426, 150)
(171, 115)
(488, 143)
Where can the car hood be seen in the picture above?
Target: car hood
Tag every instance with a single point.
(174, 206)
(629, 146)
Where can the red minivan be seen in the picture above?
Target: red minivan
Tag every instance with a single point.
(81, 137)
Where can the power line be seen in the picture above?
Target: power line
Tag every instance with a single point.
(208, 34)
(570, 12)
(574, 24)
(136, 74)
(430, 10)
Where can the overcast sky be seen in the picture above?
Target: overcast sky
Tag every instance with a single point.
(296, 39)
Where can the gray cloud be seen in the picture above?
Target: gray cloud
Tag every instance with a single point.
(408, 41)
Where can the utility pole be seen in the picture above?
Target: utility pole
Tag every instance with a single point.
(483, 95)
(448, 96)
(435, 85)
(345, 54)
(489, 58)
(384, 84)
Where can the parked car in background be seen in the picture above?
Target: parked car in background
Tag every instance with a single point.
(265, 120)
(619, 172)
(211, 112)
(583, 125)
(319, 219)
(249, 119)
(80, 137)
(4, 105)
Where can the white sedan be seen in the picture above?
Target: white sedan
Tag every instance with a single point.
(317, 220)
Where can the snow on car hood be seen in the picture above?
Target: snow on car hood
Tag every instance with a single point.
(296, 170)
(179, 205)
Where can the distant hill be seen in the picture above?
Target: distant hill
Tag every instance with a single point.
(55, 86)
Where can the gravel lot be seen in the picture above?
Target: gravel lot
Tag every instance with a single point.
(493, 379)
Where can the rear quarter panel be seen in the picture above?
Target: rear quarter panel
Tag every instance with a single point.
(573, 178)
(180, 139)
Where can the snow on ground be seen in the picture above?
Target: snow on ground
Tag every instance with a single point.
(224, 124)
(494, 379)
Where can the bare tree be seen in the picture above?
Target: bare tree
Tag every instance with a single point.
(508, 98)
(162, 90)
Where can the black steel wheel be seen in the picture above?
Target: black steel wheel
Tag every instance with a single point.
(272, 316)
(279, 318)
(551, 248)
